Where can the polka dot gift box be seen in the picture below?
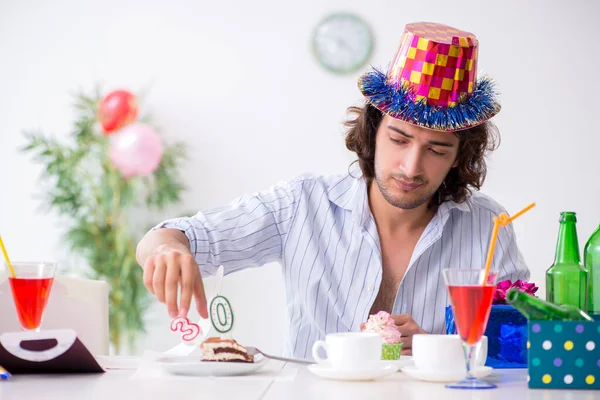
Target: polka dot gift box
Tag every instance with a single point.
(564, 355)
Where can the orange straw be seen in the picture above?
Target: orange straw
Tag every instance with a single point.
(502, 219)
(10, 268)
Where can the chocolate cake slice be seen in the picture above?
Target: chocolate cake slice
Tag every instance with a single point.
(217, 349)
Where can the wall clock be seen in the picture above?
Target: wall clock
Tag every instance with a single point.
(342, 42)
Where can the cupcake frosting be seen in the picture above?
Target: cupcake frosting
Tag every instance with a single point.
(383, 324)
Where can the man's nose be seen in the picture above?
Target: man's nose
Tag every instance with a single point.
(413, 163)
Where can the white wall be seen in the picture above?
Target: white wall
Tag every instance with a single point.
(237, 81)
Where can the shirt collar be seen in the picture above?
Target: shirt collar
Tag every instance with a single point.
(350, 193)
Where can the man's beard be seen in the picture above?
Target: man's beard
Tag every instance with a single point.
(404, 203)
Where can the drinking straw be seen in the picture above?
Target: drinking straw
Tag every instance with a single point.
(10, 268)
(4, 374)
(502, 219)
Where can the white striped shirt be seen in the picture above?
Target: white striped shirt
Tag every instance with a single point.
(321, 230)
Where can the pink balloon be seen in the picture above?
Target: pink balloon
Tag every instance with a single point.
(135, 150)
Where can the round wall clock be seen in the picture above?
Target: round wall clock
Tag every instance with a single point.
(342, 42)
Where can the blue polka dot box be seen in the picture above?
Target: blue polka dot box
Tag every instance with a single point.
(563, 355)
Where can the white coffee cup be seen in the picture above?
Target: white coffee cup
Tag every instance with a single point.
(350, 350)
(444, 353)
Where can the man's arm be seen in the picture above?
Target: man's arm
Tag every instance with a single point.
(248, 232)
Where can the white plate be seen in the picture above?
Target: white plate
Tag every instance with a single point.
(325, 371)
(194, 366)
(404, 361)
(435, 376)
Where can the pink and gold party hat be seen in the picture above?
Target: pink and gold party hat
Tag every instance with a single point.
(432, 81)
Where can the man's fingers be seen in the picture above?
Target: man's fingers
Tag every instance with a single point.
(408, 329)
(196, 284)
(158, 279)
(406, 342)
(172, 278)
(165, 273)
(401, 319)
(148, 274)
(188, 277)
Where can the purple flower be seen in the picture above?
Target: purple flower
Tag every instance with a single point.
(526, 287)
(504, 286)
(500, 293)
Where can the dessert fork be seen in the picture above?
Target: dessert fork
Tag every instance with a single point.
(254, 351)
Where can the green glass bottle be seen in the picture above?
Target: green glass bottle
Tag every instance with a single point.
(591, 260)
(537, 309)
(566, 279)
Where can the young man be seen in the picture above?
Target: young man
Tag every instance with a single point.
(376, 238)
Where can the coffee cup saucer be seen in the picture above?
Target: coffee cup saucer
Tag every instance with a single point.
(443, 376)
(325, 370)
(404, 361)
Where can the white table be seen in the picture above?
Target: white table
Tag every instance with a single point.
(276, 381)
(512, 385)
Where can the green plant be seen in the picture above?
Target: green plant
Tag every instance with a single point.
(98, 207)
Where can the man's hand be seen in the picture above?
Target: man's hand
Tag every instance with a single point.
(407, 327)
(165, 270)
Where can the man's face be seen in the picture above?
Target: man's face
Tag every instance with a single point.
(411, 162)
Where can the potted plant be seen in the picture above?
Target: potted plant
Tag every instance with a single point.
(111, 172)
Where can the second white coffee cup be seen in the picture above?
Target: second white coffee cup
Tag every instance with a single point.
(443, 352)
(350, 350)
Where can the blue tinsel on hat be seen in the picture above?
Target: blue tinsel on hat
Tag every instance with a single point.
(480, 106)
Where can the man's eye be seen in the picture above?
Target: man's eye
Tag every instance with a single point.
(437, 153)
(398, 141)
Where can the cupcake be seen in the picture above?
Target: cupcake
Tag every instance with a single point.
(383, 324)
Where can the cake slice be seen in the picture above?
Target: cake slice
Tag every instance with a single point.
(217, 349)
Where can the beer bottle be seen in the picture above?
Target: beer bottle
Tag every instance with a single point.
(534, 308)
(591, 260)
(566, 279)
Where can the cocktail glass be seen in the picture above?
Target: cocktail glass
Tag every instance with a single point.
(30, 288)
(471, 304)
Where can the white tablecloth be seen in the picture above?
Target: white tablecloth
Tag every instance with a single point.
(275, 381)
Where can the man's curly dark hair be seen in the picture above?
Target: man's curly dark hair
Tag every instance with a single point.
(469, 172)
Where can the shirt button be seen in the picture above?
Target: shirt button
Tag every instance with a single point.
(370, 288)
